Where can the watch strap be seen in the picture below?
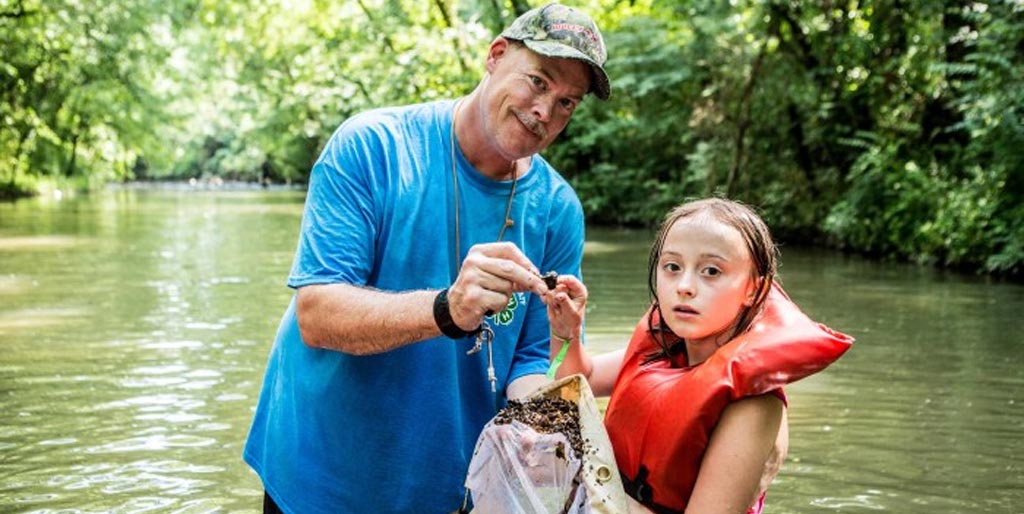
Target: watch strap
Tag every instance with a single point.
(443, 318)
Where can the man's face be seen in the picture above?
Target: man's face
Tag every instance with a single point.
(529, 97)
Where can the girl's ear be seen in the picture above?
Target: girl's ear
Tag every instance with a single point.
(754, 290)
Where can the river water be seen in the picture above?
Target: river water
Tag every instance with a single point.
(134, 327)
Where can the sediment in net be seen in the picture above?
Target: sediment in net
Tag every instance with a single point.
(546, 415)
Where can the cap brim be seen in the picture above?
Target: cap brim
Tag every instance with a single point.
(600, 85)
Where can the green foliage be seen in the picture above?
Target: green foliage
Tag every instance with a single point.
(77, 87)
(302, 68)
(893, 129)
(617, 154)
(886, 190)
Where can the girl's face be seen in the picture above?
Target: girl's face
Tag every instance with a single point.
(704, 280)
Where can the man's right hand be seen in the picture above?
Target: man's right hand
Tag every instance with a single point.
(489, 276)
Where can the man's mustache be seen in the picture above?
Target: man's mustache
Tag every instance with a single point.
(531, 123)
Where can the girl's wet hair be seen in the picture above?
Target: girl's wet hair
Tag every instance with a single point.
(763, 253)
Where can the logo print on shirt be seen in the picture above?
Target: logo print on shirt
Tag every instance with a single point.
(506, 316)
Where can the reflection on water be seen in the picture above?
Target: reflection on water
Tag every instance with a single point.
(134, 327)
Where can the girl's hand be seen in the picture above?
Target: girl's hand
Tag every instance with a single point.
(566, 306)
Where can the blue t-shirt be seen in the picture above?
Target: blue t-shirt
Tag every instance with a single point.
(394, 432)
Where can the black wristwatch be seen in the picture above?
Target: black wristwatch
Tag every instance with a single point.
(443, 318)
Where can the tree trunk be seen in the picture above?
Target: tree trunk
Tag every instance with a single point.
(69, 169)
(743, 118)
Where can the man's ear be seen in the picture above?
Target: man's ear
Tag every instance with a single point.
(499, 47)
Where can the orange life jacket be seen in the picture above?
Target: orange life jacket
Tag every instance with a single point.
(662, 413)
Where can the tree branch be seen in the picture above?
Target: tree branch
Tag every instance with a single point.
(450, 21)
(20, 12)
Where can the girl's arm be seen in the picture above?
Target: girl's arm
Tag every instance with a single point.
(566, 307)
(731, 472)
(605, 371)
(774, 463)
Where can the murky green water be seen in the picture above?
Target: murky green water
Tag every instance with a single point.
(134, 327)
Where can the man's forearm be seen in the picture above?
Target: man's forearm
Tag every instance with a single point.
(363, 321)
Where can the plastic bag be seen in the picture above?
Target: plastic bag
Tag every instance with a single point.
(517, 470)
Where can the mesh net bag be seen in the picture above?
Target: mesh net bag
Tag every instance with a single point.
(547, 454)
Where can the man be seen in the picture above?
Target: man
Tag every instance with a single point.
(425, 231)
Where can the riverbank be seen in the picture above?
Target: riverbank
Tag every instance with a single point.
(65, 188)
(213, 184)
(995, 269)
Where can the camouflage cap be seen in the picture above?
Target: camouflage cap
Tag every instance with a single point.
(559, 31)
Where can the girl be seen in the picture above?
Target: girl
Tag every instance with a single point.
(697, 414)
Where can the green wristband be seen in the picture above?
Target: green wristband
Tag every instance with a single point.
(559, 358)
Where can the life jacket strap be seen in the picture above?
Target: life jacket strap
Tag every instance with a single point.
(638, 489)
